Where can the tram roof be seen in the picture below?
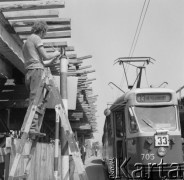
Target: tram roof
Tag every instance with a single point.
(119, 102)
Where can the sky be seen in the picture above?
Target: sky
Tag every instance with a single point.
(105, 29)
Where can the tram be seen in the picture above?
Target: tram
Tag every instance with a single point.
(142, 136)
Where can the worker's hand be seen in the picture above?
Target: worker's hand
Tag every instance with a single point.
(57, 53)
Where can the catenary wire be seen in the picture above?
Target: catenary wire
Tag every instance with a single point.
(134, 43)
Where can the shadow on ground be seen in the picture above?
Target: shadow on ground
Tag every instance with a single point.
(97, 161)
(95, 170)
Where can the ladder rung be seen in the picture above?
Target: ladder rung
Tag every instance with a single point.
(47, 86)
(20, 177)
(27, 156)
(37, 133)
(40, 111)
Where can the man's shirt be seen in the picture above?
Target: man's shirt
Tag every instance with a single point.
(30, 52)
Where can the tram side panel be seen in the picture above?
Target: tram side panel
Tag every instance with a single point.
(108, 146)
(181, 111)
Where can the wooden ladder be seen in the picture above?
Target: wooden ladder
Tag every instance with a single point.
(37, 109)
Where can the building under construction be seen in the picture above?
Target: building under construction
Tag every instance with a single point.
(16, 20)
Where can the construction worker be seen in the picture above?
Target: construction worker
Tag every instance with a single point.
(83, 153)
(36, 58)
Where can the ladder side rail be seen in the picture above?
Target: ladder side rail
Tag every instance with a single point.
(25, 129)
(69, 135)
(34, 143)
(22, 143)
(56, 146)
(34, 104)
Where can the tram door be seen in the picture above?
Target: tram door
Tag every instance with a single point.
(120, 136)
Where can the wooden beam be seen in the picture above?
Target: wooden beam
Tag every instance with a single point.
(67, 48)
(31, 5)
(11, 50)
(92, 96)
(44, 13)
(14, 104)
(85, 67)
(74, 61)
(92, 79)
(54, 44)
(71, 56)
(30, 22)
(84, 57)
(50, 35)
(80, 72)
(27, 30)
(10, 29)
(77, 115)
(80, 125)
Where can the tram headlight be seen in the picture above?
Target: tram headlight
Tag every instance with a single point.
(162, 151)
(107, 112)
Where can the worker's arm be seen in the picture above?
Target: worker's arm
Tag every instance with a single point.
(48, 58)
(48, 62)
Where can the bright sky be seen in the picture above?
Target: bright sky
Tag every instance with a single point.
(105, 30)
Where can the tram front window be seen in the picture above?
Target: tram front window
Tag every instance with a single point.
(155, 118)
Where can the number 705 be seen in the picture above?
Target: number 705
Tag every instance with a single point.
(148, 156)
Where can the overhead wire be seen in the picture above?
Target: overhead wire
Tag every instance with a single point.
(137, 28)
(137, 33)
(140, 28)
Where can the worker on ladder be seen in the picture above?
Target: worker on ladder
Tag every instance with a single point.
(36, 58)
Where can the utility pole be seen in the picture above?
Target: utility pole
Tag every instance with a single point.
(64, 96)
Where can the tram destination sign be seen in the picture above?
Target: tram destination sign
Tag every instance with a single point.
(151, 98)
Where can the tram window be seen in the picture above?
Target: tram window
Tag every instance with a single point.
(109, 131)
(153, 118)
(133, 123)
(119, 117)
(119, 149)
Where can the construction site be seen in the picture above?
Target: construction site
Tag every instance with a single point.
(64, 102)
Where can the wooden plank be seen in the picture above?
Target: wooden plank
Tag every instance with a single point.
(92, 79)
(27, 30)
(75, 114)
(85, 67)
(51, 49)
(69, 48)
(5, 71)
(42, 162)
(5, 23)
(84, 57)
(76, 125)
(14, 104)
(31, 5)
(15, 57)
(45, 13)
(81, 72)
(30, 22)
(71, 56)
(50, 35)
(54, 44)
(74, 61)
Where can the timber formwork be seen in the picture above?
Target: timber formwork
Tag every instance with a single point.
(16, 19)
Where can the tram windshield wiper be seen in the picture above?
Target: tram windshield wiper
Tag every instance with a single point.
(148, 124)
